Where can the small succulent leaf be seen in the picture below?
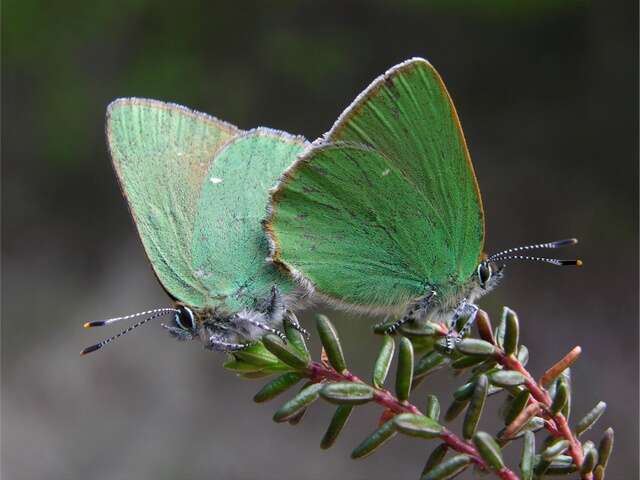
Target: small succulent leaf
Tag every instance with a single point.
(467, 361)
(598, 473)
(404, 370)
(589, 462)
(383, 362)
(465, 391)
(516, 405)
(285, 353)
(489, 450)
(476, 405)
(605, 448)
(484, 327)
(297, 418)
(511, 332)
(303, 399)
(432, 409)
(552, 373)
(455, 409)
(239, 366)
(555, 449)
(561, 397)
(500, 329)
(374, 441)
(528, 455)
(591, 418)
(506, 378)
(338, 421)
(331, 343)
(448, 468)
(257, 355)
(347, 393)
(429, 363)
(417, 425)
(473, 346)
(523, 355)
(276, 386)
(435, 458)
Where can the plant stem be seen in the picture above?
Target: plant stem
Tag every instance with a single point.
(319, 372)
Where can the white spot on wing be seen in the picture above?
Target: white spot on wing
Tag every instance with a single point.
(215, 180)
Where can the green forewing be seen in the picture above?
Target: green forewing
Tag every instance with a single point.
(161, 152)
(229, 245)
(387, 205)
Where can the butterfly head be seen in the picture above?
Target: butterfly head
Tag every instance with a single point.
(488, 274)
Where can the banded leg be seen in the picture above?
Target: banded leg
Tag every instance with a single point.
(294, 323)
(464, 308)
(222, 346)
(414, 312)
(256, 323)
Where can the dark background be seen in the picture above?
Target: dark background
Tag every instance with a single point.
(548, 98)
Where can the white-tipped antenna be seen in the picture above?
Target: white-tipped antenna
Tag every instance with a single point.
(552, 261)
(155, 313)
(537, 246)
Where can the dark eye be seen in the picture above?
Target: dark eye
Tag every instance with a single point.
(484, 274)
(184, 318)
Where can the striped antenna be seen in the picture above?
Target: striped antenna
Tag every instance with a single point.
(158, 312)
(552, 261)
(537, 246)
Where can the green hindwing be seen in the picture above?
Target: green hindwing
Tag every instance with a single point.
(386, 205)
(229, 247)
(161, 152)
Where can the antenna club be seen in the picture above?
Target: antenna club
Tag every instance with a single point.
(578, 263)
(90, 349)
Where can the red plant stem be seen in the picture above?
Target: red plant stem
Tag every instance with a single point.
(318, 372)
(558, 425)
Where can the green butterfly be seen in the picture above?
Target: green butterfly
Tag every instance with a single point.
(197, 189)
(383, 214)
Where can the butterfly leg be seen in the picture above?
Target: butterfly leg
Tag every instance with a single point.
(294, 323)
(415, 311)
(247, 317)
(222, 346)
(464, 308)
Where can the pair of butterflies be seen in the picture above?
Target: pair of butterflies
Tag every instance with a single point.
(382, 214)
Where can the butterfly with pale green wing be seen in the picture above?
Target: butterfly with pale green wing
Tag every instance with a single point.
(383, 214)
(197, 189)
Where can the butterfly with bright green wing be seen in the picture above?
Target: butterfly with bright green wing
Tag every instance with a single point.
(383, 214)
(197, 189)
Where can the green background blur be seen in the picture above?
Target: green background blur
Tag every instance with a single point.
(548, 98)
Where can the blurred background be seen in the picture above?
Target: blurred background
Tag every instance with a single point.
(547, 95)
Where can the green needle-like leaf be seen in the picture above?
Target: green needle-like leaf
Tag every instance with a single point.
(435, 458)
(591, 418)
(589, 462)
(276, 386)
(476, 405)
(331, 343)
(347, 393)
(404, 372)
(432, 409)
(511, 332)
(449, 468)
(455, 409)
(604, 449)
(473, 346)
(517, 405)
(383, 362)
(555, 449)
(285, 353)
(489, 450)
(465, 391)
(302, 400)
(257, 355)
(428, 363)
(507, 378)
(338, 421)
(528, 455)
(561, 397)
(417, 425)
(296, 339)
(375, 440)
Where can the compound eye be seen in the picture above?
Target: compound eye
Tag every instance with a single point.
(185, 318)
(484, 274)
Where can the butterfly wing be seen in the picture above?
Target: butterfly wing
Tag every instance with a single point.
(161, 152)
(230, 248)
(387, 205)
